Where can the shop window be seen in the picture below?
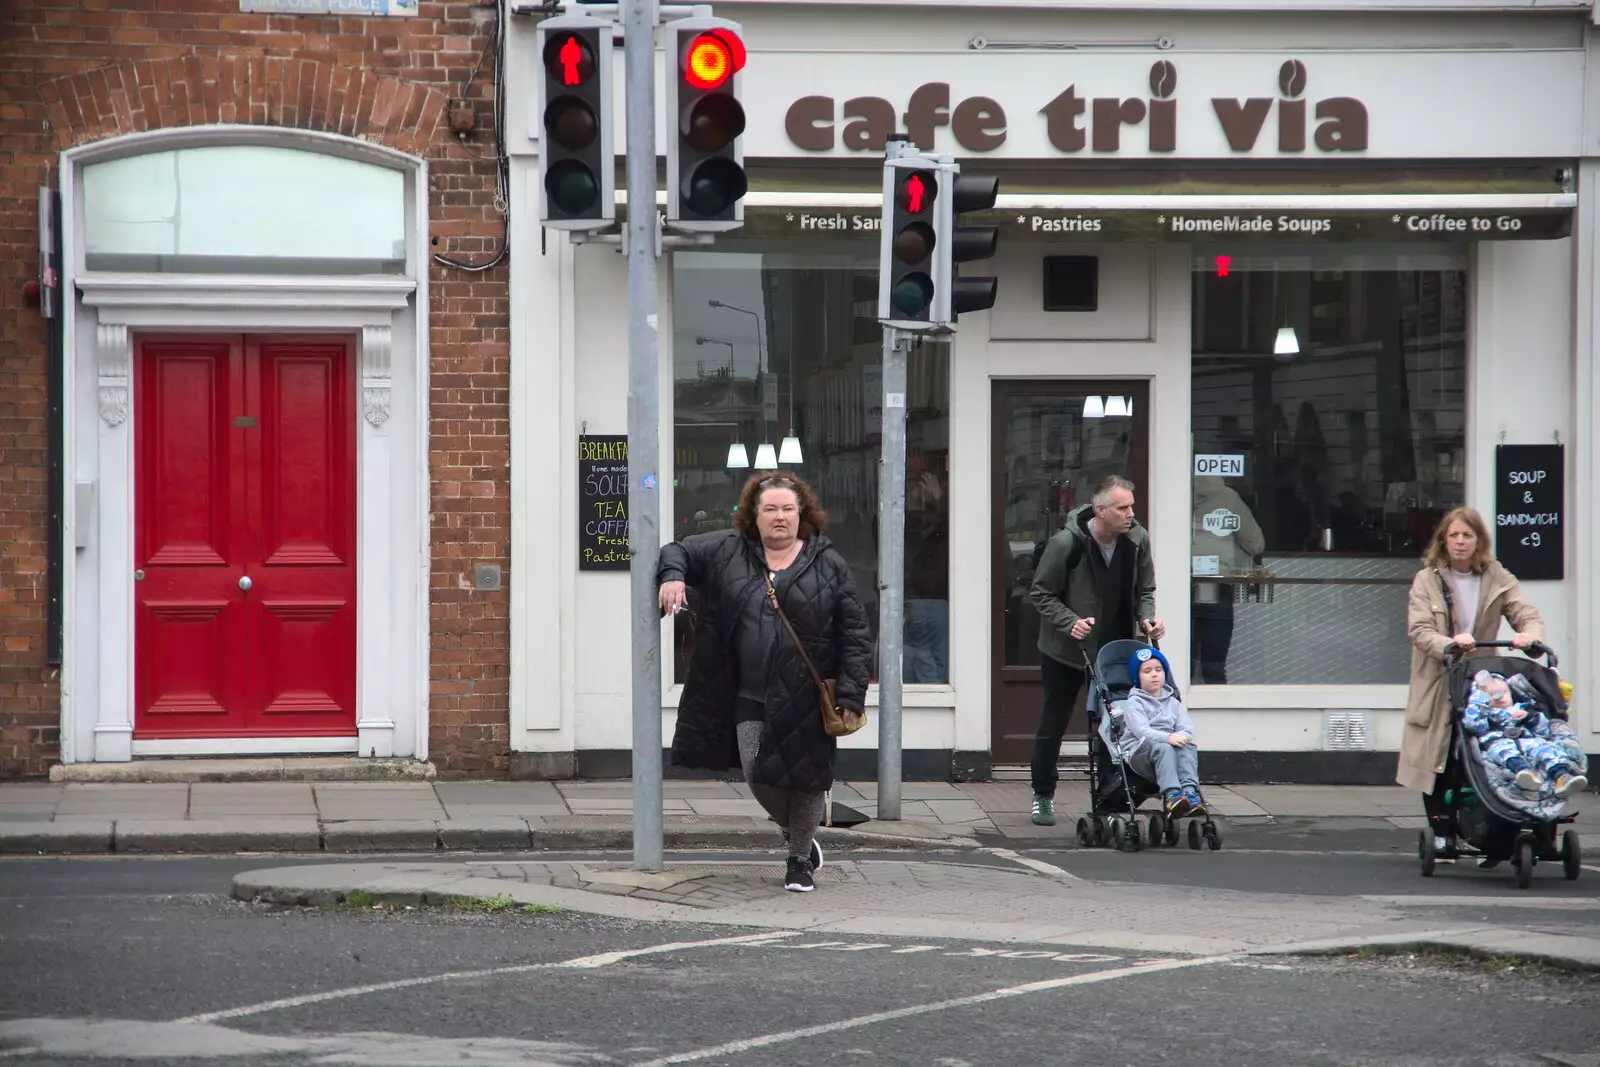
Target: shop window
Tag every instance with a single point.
(777, 362)
(1329, 409)
(244, 208)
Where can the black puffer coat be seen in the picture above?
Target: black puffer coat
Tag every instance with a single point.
(726, 575)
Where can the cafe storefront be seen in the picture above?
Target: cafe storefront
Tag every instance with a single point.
(1310, 279)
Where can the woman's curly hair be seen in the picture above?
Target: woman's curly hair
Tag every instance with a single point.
(1438, 553)
(813, 520)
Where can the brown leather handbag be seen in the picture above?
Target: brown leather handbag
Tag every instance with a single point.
(836, 721)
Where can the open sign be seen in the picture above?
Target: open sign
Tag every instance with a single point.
(1219, 466)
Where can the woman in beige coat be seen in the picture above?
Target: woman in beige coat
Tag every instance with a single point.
(1482, 593)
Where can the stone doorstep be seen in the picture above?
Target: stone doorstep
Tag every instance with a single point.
(272, 769)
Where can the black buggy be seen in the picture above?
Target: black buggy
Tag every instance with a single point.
(1114, 787)
(1471, 808)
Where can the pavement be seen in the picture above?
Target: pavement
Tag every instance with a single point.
(431, 815)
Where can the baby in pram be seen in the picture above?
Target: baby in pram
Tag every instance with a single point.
(1158, 737)
(1518, 736)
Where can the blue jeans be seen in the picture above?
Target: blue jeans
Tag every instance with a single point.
(1175, 768)
(927, 637)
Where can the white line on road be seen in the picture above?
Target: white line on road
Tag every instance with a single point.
(1032, 864)
(583, 962)
(1552, 903)
(736, 1047)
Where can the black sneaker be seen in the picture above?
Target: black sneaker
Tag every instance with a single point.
(798, 879)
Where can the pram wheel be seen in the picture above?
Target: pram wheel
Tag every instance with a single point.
(1426, 852)
(1571, 855)
(1523, 858)
(1158, 829)
(1194, 836)
(1085, 832)
(1212, 835)
(1171, 832)
(1135, 836)
(1114, 832)
(1098, 824)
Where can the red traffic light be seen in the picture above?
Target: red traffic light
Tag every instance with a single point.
(713, 58)
(917, 192)
(568, 59)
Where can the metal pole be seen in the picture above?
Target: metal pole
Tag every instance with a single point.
(891, 569)
(644, 427)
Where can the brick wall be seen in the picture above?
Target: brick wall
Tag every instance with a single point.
(75, 71)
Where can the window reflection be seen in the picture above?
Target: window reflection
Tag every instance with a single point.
(1338, 382)
(781, 353)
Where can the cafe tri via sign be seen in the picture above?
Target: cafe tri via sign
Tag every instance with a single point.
(1294, 118)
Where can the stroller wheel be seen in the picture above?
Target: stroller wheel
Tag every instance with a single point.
(1114, 832)
(1171, 829)
(1135, 836)
(1524, 861)
(1085, 832)
(1158, 829)
(1213, 835)
(1571, 855)
(1099, 826)
(1426, 852)
(1194, 836)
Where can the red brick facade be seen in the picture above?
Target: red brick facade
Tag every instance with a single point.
(76, 71)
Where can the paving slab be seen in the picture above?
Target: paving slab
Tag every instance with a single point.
(284, 834)
(377, 835)
(77, 836)
(736, 806)
(483, 811)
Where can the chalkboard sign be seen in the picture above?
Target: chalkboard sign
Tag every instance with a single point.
(603, 503)
(1529, 496)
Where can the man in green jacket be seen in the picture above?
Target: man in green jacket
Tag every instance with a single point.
(1095, 582)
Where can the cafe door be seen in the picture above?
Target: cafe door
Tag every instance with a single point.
(1053, 441)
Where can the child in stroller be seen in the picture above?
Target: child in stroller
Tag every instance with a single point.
(1520, 738)
(1116, 783)
(1158, 736)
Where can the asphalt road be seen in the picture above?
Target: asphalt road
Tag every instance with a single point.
(100, 958)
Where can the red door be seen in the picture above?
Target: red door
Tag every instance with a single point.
(245, 542)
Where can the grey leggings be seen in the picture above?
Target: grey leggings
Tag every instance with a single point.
(797, 811)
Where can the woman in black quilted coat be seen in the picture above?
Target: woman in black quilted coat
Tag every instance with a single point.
(749, 698)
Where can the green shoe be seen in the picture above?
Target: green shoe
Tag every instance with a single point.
(1044, 810)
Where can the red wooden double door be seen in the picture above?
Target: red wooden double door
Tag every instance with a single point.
(245, 482)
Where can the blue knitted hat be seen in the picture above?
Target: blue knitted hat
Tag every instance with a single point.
(1138, 660)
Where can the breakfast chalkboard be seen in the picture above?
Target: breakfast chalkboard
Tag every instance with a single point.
(603, 503)
(1529, 497)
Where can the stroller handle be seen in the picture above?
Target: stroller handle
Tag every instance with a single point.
(1452, 652)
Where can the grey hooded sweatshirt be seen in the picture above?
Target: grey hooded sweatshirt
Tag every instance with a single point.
(1151, 720)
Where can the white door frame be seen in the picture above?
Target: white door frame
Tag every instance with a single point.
(386, 315)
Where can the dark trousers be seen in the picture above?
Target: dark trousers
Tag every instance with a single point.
(1061, 687)
(1213, 633)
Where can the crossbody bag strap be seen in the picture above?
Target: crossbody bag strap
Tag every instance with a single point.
(772, 595)
(1449, 602)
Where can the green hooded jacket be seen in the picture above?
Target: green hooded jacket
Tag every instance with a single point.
(1066, 588)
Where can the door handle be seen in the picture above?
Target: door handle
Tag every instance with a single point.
(245, 583)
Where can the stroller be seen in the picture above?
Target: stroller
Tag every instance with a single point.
(1113, 786)
(1471, 808)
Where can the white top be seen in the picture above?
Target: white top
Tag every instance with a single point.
(1464, 587)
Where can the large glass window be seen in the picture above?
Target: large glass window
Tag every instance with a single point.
(1329, 410)
(224, 208)
(777, 362)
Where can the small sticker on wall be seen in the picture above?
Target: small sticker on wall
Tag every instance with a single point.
(894, 400)
(1205, 566)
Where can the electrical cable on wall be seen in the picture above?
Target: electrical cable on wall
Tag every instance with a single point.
(502, 199)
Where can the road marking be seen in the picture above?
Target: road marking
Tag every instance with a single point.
(1005, 952)
(736, 1047)
(582, 962)
(1552, 903)
(1032, 864)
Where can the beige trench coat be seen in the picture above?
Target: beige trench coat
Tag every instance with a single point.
(1426, 741)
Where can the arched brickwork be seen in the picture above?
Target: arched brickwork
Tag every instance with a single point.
(308, 94)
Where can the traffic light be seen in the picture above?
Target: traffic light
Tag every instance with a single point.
(909, 249)
(959, 244)
(705, 161)
(577, 190)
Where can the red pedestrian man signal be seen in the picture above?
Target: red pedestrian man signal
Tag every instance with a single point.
(915, 191)
(569, 57)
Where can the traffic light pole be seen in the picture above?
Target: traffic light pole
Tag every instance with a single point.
(644, 429)
(891, 569)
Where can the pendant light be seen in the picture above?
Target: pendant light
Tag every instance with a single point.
(766, 457)
(1094, 407)
(1288, 342)
(737, 456)
(789, 451)
(1116, 407)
